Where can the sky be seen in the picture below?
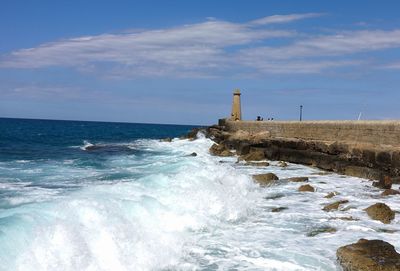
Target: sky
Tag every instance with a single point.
(178, 62)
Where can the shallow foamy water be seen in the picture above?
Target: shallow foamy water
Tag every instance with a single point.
(158, 209)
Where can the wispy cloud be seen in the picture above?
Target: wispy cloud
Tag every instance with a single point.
(279, 19)
(207, 49)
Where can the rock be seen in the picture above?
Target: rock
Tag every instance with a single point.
(390, 192)
(278, 209)
(298, 179)
(369, 255)
(226, 153)
(282, 164)
(323, 229)
(193, 133)
(380, 211)
(220, 150)
(265, 179)
(385, 183)
(167, 139)
(334, 206)
(193, 154)
(257, 164)
(331, 195)
(306, 188)
(257, 155)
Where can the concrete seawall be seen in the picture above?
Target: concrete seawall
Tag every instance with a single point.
(367, 149)
(372, 132)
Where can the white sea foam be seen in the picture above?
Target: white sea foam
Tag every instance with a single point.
(175, 212)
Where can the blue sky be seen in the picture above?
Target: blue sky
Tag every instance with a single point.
(179, 61)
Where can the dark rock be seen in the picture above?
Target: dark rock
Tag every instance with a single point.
(274, 196)
(193, 154)
(385, 183)
(390, 192)
(306, 188)
(331, 195)
(380, 211)
(265, 179)
(334, 206)
(323, 229)
(369, 255)
(345, 218)
(298, 179)
(278, 209)
(282, 164)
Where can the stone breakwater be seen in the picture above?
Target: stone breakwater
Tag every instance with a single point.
(366, 149)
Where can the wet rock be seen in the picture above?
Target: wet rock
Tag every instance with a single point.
(275, 196)
(282, 164)
(257, 164)
(256, 155)
(193, 154)
(265, 179)
(220, 150)
(331, 195)
(306, 188)
(334, 206)
(324, 229)
(380, 211)
(167, 139)
(298, 179)
(385, 183)
(390, 192)
(278, 209)
(369, 255)
(387, 230)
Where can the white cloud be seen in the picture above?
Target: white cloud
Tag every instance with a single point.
(206, 49)
(278, 19)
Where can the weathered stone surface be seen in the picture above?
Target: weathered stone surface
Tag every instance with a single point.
(220, 150)
(256, 155)
(334, 206)
(265, 179)
(384, 183)
(390, 192)
(380, 211)
(306, 188)
(298, 179)
(331, 195)
(369, 255)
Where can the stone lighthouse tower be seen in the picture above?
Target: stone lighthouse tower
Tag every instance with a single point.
(236, 110)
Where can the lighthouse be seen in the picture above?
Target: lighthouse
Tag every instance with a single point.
(236, 110)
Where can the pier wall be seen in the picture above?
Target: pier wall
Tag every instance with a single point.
(371, 132)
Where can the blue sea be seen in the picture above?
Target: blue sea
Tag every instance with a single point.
(112, 196)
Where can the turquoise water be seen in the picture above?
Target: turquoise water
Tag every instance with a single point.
(111, 196)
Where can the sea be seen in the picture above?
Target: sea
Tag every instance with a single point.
(111, 196)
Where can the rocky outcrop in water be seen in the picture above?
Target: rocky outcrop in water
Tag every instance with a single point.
(298, 179)
(265, 179)
(306, 188)
(220, 150)
(390, 192)
(334, 206)
(380, 211)
(369, 255)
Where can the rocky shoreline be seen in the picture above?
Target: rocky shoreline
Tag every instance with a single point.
(362, 160)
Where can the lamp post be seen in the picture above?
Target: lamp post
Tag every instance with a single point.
(301, 112)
